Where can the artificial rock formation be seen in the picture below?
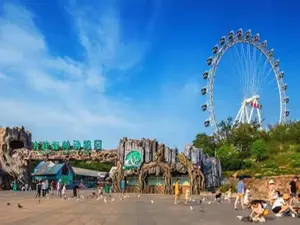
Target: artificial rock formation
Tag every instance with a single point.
(210, 166)
(159, 159)
(148, 149)
(196, 176)
(15, 144)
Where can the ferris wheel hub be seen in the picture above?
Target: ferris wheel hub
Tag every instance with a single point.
(251, 99)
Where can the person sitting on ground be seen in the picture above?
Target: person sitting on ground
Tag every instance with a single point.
(228, 194)
(282, 205)
(259, 211)
(218, 196)
(296, 204)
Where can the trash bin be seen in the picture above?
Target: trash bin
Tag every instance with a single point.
(14, 186)
(106, 188)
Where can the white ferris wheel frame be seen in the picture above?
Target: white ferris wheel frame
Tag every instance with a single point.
(217, 55)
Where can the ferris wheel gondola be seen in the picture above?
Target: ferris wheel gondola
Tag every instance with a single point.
(251, 103)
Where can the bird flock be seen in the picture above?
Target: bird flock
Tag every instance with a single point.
(192, 203)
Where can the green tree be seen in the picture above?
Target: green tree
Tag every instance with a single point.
(206, 143)
(258, 149)
(229, 157)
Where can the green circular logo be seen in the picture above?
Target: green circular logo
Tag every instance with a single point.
(133, 160)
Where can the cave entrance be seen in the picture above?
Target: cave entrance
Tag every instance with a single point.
(16, 144)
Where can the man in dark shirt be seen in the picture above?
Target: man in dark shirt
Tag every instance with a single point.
(75, 190)
(293, 187)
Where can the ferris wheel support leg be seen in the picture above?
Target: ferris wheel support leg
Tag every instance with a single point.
(247, 114)
(251, 113)
(243, 114)
(238, 115)
(259, 118)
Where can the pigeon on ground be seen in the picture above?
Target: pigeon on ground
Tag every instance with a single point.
(39, 200)
(20, 206)
(7, 203)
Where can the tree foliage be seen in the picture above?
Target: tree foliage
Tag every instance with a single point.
(258, 149)
(238, 146)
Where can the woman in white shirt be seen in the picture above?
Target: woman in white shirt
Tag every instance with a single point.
(281, 205)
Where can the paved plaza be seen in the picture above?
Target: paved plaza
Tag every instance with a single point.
(133, 210)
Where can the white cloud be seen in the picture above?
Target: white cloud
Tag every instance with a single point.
(49, 91)
(62, 98)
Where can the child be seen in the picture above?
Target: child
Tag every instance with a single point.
(218, 196)
(228, 194)
(187, 196)
(247, 198)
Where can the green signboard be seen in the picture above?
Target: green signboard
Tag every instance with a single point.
(133, 160)
(51, 147)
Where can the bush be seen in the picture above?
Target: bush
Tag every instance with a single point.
(258, 149)
(296, 164)
(226, 187)
(247, 164)
(233, 164)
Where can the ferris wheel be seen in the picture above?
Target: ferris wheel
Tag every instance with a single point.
(251, 69)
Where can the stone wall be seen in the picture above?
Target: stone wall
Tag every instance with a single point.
(259, 187)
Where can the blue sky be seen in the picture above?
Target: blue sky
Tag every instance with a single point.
(108, 69)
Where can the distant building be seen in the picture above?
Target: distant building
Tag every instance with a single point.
(54, 172)
(67, 174)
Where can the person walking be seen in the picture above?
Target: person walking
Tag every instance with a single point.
(64, 189)
(43, 188)
(58, 189)
(177, 191)
(123, 186)
(47, 187)
(38, 189)
(240, 193)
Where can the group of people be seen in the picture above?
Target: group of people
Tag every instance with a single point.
(43, 188)
(282, 204)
